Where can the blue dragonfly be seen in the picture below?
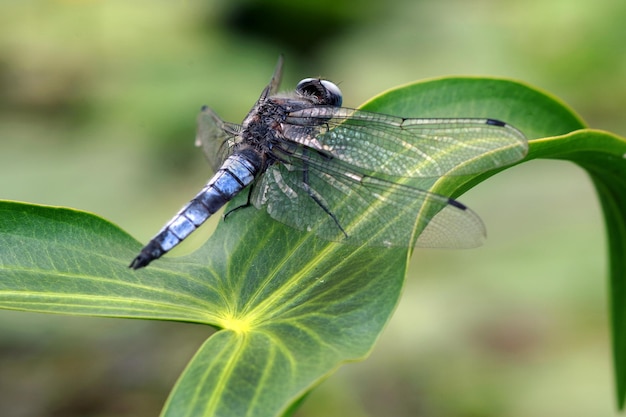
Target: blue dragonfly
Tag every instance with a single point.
(343, 174)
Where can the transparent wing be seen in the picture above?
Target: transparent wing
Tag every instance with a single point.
(378, 143)
(276, 77)
(365, 210)
(215, 136)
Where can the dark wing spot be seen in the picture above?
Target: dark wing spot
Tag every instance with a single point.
(457, 204)
(494, 122)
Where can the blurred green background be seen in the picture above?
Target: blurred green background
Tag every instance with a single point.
(97, 111)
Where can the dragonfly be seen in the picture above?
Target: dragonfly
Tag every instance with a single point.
(346, 175)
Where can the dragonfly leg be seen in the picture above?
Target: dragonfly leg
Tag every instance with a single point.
(307, 187)
(247, 204)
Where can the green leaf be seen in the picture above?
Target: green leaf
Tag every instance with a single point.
(550, 123)
(291, 311)
(602, 155)
(291, 308)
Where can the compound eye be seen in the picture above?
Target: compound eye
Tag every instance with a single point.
(325, 92)
(305, 84)
(333, 93)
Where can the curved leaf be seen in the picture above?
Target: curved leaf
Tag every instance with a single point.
(602, 155)
(532, 111)
(550, 123)
(291, 308)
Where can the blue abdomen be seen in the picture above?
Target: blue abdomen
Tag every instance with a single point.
(237, 172)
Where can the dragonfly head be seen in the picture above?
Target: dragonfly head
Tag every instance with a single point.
(322, 91)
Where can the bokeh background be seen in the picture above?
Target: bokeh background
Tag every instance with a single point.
(97, 111)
